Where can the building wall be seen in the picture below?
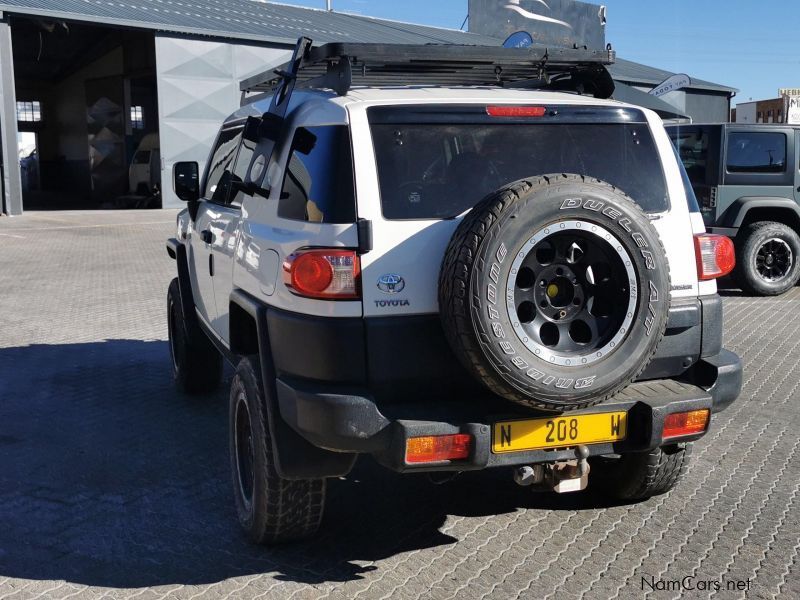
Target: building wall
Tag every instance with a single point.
(198, 87)
(746, 112)
(701, 105)
(761, 111)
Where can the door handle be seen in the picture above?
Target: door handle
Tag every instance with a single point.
(207, 236)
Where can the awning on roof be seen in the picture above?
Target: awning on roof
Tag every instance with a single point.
(626, 93)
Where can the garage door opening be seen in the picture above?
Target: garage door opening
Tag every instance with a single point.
(87, 114)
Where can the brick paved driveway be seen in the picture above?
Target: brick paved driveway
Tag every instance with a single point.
(112, 485)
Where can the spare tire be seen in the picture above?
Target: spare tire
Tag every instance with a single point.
(554, 291)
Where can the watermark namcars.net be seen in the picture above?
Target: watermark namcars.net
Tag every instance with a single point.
(693, 583)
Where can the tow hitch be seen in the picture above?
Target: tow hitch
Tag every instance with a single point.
(561, 476)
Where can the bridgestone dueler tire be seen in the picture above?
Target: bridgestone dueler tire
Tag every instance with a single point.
(640, 475)
(748, 243)
(476, 268)
(196, 363)
(278, 510)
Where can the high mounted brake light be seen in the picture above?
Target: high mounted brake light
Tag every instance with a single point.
(323, 273)
(715, 255)
(516, 111)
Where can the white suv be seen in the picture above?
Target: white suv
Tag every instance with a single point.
(447, 277)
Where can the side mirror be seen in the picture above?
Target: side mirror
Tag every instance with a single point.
(186, 181)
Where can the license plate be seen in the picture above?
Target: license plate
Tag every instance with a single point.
(559, 432)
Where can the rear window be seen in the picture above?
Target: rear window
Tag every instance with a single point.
(435, 166)
(692, 144)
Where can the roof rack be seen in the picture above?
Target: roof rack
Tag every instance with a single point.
(340, 66)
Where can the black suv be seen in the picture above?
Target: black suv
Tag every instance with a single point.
(747, 179)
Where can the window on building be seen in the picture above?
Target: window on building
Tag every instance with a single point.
(759, 117)
(756, 152)
(318, 186)
(137, 117)
(29, 111)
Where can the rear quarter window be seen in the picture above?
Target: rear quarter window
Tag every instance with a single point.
(756, 152)
(318, 184)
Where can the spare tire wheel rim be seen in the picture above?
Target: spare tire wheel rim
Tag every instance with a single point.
(571, 293)
(774, 260)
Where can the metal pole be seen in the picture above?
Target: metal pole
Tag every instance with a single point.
(328, 5)
(12, 179)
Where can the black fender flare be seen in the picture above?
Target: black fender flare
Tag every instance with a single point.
(736, 213)
(295, 457)
(177, 251)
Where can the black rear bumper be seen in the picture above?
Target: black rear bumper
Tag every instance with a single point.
(345, 420)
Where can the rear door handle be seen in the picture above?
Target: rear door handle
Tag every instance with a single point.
(207, 236)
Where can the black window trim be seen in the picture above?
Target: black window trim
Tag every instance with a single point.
(228, 126)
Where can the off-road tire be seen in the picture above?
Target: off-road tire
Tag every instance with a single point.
(196, 363)
(278, 510)
(640, 475)
(487, 344)
(748, 243)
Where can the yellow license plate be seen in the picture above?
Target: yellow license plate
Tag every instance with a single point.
(559, 432)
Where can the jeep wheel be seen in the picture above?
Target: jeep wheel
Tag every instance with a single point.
(640, 475)
(196, 363)
(271, 509)
(767, 258)
(554, 291)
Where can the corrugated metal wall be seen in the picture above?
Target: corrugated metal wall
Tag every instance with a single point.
(198, 87)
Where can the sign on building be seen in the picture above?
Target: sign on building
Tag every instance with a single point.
(793, 110)
(550, 22)
(791, 100)
(671, 84)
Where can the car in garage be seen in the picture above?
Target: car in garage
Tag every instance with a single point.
(447, 277)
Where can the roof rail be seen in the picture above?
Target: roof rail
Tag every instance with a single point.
(340, 66)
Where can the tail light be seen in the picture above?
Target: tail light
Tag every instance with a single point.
(516, 111)
(328, 274)
(436, 448)
(715, 255)
(685, 423)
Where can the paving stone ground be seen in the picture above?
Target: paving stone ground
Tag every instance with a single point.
(112, 485)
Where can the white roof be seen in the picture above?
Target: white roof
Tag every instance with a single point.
(335, 107)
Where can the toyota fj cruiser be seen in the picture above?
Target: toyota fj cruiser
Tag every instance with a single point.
(748, 182)
(479, 270)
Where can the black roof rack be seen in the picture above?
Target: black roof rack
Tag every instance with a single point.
(339, 66)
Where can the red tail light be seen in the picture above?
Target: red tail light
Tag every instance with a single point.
(323, 273)
(516, 111)
(436, 448)
(685, 423)
(715, 255)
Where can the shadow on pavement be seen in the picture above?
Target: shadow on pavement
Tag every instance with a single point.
(108, 477)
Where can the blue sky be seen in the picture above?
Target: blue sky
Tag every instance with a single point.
(747, 44)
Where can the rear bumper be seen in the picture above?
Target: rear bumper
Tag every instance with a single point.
(345, 420)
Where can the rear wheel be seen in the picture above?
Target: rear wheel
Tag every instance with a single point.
(640, 475)
(271, 509)
(767, 258)
(196, 363)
